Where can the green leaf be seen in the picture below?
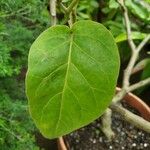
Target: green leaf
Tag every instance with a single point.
(136, 8)
(124, 51)
(113, 4)
(148, 1)
(135, 36)
(145, 74)
(146, 71)
(71, 77)
(2, 122)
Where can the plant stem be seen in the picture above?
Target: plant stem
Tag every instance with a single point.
(132, 118)
(63, 7)
(134, 56)
(127, 23)
(139, 84)
(106, 124)
(141, 45)
(69, 12)
(135, 53)
(140, 66)
(53, 12)
(127, 115)
(71, 6)
(71, 20)
(128, 70)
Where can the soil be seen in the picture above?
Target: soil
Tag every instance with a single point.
(127, 137)
(44, 143)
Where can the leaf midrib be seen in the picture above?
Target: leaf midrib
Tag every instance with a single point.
(65, 82)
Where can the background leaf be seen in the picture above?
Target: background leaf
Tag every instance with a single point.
(135, 36)
(138, 9)
(146, 71)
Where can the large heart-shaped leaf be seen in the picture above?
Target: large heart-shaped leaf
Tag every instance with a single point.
(71, 77)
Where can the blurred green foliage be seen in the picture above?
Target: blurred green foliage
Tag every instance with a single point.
(21, 21)
(16, 128)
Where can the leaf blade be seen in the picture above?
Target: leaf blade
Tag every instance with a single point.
(63, 95)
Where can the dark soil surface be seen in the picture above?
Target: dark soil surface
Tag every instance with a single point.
(127, 137)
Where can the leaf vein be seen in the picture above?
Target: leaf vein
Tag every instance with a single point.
(65, 82)
(48, 104)
(77, 100)
(45, 78)
(94, 40)
(86, 53)
(39, 61)
(91, 87)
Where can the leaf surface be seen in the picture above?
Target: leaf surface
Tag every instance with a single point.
(71, 76)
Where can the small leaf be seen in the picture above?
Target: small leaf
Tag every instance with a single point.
(113, 4)
(135, 36)
(146, 71)
(71, 79)
(148, 1)
(2, 122)
(139, 10)
(145, 74)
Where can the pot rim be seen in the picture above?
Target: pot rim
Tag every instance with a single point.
(137, 103)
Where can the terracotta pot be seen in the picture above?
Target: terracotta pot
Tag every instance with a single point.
(130, 99)
(138, 104)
